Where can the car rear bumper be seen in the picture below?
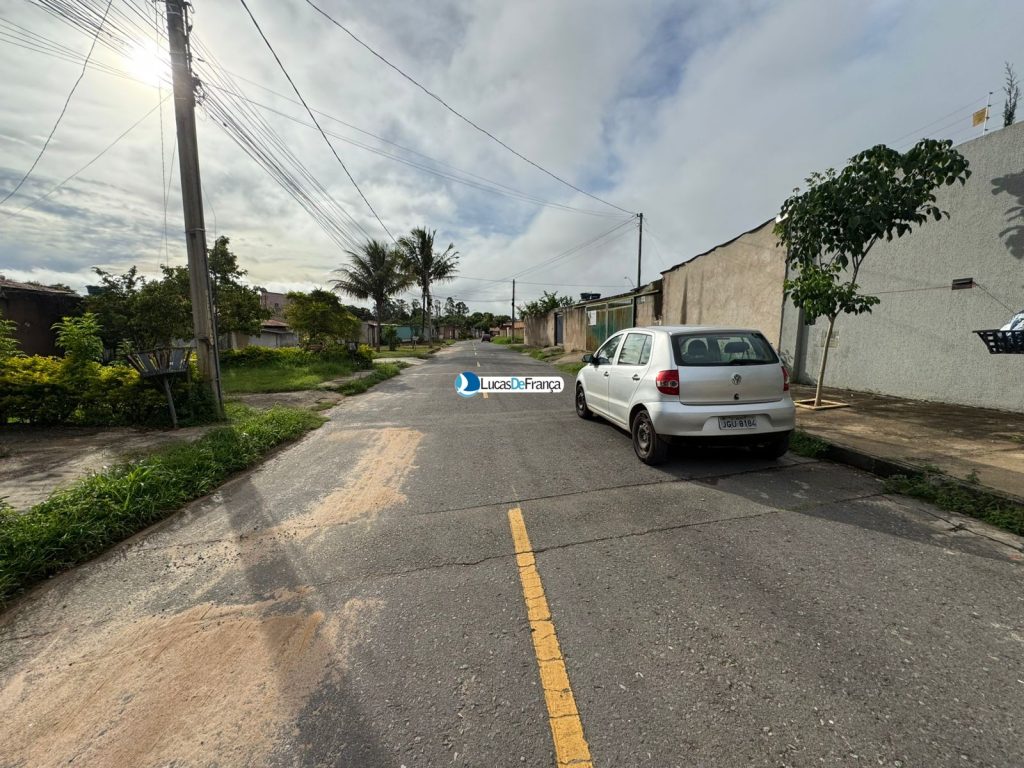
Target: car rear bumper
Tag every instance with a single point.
(674, 419)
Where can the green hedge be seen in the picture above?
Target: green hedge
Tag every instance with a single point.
(78, 523)
(293, 357)
(50, 390)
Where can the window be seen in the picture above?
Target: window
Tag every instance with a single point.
(714, 348)
(607, 350)
(636, 349)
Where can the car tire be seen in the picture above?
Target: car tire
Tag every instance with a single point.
(773, 449)
(581, 404)
(650, 447)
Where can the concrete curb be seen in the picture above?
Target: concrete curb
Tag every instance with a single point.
(884, 468)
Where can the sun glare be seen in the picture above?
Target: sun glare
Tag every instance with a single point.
(147, 63)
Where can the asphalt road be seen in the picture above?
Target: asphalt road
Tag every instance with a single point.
(359, 601)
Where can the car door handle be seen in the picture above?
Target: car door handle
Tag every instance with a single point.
(636, 377)
(606, 374)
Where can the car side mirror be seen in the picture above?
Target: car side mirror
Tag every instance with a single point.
(588, 358)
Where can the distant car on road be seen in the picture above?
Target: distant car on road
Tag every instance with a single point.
(710, 384)
(485, 337)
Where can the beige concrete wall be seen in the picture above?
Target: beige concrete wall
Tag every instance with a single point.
(919, 342)
(540, 331)
(575, 329)
(738, 283)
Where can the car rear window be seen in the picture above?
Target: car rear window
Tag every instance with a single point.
(722, 348)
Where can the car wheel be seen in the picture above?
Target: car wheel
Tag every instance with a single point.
(581, 404)
(774, 448)
(650, 447)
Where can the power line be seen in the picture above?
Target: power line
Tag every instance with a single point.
(571, 251)
(60, 117)
(455, 112)
(485, 185)
(313, 118)
(104, 151)
(914, 132)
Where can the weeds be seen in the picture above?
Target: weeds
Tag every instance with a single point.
(803, 444)
(380, 373)
(954, 496)
(80, 522)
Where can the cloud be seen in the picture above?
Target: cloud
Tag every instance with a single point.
(703, 115)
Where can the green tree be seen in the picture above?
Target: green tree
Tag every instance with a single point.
(319, 318)
(546, 303)
(163, 310)
(829, 229)
(1012, 91)
(376, 272)
(238, 306)
(79, 337)
(113, 302)
(426, 266)
(8, 342)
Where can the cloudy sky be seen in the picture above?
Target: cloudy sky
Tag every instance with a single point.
(703, 115)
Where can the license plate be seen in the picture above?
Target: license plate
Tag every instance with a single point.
(738, 422)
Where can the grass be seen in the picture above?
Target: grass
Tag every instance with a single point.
(506, 340)
(962, 498)
(380, 373)
(422, 352)
(80, 522)
(280, 378)
(803, 444)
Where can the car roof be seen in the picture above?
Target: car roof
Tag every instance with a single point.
(692, 329)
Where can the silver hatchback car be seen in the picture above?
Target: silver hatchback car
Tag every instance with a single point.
(712, 384)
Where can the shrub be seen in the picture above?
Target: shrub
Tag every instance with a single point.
(48, 390)
(8, 344)
(79, 337)
(262, 357)
(363, 356)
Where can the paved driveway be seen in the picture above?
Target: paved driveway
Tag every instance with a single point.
(430, 581)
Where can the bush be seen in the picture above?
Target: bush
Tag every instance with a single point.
(48, 390)
(263, 357)
(363, 356)
(390, 337)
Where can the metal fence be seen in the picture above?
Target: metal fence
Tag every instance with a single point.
(607, 318)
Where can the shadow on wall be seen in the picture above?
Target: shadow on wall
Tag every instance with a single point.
(1013, 235)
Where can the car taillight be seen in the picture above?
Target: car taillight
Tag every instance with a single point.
(667, 382)
(785, 379)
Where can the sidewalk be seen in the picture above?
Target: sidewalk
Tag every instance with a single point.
(879, 432)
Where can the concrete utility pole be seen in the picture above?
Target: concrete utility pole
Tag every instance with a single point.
(512, 332)
(639, 253)
(203, 316)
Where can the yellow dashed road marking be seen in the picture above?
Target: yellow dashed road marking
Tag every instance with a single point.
(566, 728)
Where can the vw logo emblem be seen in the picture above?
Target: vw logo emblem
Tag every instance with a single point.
(736, 378)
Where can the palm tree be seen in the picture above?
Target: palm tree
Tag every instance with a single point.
(376, 272)
(426, 266)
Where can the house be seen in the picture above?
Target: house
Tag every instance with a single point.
(34, 309)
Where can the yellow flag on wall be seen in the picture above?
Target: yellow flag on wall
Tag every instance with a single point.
(980, 116)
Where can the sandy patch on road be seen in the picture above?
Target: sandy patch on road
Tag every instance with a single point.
(213, 685)
(373, 484)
